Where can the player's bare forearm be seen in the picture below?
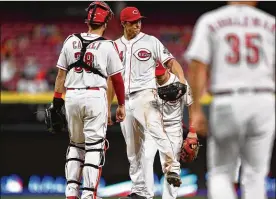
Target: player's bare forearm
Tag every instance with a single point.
(110, 92)
(190, 112)
(60, 79)
(197, 80)
(176, 69)
(192, 131)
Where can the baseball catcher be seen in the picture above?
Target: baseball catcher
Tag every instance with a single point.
(55, 116)
(85, 100)
(172, 92)
(190, 146)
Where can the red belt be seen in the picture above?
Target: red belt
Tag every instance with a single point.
(88, 88)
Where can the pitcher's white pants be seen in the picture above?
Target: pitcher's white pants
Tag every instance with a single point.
(143, 117)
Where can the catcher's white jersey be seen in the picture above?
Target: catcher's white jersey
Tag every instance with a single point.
(102, 55)
(142, 52)
(238, 41)
(172, 111)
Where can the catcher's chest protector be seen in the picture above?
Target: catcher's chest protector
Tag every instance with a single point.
(80, 62)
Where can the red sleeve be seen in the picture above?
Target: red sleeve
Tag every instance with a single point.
(119, 88)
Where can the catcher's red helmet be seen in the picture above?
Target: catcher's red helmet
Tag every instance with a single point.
(98, 13)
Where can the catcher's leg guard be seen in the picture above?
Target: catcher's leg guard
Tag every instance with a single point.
(92, 168)
(73, 168)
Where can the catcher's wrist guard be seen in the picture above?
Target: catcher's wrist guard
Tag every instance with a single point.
(58, 103)
(172, 92)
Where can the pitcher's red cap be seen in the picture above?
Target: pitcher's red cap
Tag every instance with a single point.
(130, 14)
(160, 70)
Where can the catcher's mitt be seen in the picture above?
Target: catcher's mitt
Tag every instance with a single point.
(172, 91)
(189, 150)
(55, 119)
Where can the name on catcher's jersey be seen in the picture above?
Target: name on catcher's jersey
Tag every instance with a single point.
(139, 57)
(101, 54)
(238, 43)
(172, 111)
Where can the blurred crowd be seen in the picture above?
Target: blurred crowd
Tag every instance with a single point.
(29, 51)
(22, 67)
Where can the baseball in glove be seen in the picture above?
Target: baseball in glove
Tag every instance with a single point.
(55, 119)
(172, 91)
(190, 148)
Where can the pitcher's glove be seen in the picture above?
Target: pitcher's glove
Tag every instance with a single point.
(190, 148)
(55, 118)
(172, 91)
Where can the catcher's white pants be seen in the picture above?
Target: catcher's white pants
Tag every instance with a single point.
(86, 113)
(143, 115)
(148, 155)
(241, 126)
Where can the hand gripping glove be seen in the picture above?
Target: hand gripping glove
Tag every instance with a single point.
(55, 118)
(172, 91)
(190, 148)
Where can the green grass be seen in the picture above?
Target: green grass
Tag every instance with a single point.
(58, 197)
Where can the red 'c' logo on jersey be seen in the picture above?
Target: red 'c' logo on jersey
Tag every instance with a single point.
(142, 54)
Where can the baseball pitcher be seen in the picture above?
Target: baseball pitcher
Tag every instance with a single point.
(85, 61)
(237, 44)
(139, 53)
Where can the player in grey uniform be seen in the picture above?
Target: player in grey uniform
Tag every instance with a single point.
(139, 53)
(85, 61)
(237, 44)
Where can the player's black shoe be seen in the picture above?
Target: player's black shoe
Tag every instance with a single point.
(173, 179)
(133, 196)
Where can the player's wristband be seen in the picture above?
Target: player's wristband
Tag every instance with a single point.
(57, 95)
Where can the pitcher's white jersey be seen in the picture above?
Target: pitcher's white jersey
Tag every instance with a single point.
(139, 56)
(238, 42)
(172, 111)
(101, 54)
